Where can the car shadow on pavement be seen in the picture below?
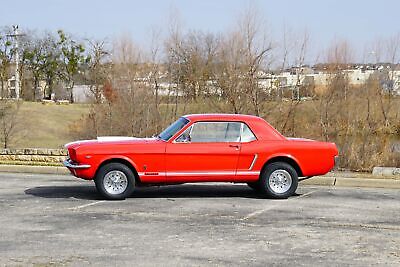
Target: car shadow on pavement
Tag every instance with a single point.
(79, 192)
(171, 191)
(196, 191)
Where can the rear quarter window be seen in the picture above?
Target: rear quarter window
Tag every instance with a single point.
(247, 135)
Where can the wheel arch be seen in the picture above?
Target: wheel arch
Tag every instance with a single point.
(287, 159)
(121, 160)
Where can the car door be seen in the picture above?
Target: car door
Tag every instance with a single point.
(249, 165)
(206, 151)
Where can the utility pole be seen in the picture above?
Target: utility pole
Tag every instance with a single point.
(15, 35)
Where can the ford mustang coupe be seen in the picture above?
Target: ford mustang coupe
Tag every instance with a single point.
(202, 148)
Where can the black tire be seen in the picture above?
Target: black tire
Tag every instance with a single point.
(121, 170)
(255, 186)
(286, 185)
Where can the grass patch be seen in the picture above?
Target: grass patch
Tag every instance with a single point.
(46, 125)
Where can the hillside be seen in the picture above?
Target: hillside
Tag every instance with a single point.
(46, 125)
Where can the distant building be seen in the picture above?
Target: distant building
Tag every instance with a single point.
(82, 94)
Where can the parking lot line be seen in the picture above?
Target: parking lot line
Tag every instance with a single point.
(258, 212)
(86, 205)
(306, 194)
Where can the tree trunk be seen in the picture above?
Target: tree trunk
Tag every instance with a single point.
(2, 87)
(35, 86)
(71, 96)
(71, 92)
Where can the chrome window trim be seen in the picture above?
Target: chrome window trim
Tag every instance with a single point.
(241, 133)
(192, 127)
(178, 131)
(242, 124)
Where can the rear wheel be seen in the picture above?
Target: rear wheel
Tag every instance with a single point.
(278, 180)
(115, 181)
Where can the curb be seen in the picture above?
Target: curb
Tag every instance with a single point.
(34, 169)
(386, 171)
(375, 182)
(340, 179)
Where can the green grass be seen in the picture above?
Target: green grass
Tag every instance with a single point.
(46, 125)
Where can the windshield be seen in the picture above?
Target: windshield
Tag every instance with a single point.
(173, 129)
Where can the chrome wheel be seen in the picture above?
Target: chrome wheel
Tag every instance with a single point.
(115, 182)
(280, 181)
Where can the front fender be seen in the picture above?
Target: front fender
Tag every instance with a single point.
(96, 161)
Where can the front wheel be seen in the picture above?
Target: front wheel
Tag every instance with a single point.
(278, 180)
(115, 181)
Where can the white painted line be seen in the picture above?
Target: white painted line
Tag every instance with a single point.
(86, 205)
(258, 212)
(306, 194)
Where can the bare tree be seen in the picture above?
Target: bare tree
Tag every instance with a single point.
(242, 55)
(6, 52)
(173, 47)
(98, 67)
(9, 121)
(130, 78)
(297, 55)
(392, 55)
(155, 73)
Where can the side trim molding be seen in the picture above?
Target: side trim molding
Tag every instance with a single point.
(253, 162)
(201, 173)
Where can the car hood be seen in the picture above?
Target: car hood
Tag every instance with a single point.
(112, 140)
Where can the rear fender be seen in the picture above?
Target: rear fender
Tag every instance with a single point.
(291, 160)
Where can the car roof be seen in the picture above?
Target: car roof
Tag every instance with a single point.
(262, 129)
(220, 117)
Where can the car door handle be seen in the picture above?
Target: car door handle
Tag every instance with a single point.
(235, 146)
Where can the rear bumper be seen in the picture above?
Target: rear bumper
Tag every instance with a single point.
(71, 165)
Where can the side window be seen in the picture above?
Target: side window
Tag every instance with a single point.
(247, 135)
(185, 136)
(215, 132)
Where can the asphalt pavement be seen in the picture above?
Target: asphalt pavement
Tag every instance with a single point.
(58, 220)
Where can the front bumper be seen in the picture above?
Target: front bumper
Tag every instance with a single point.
(72, 165)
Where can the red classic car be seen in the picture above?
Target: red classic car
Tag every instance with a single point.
(202, 148)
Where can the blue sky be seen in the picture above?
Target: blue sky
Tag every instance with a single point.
(358, 21)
